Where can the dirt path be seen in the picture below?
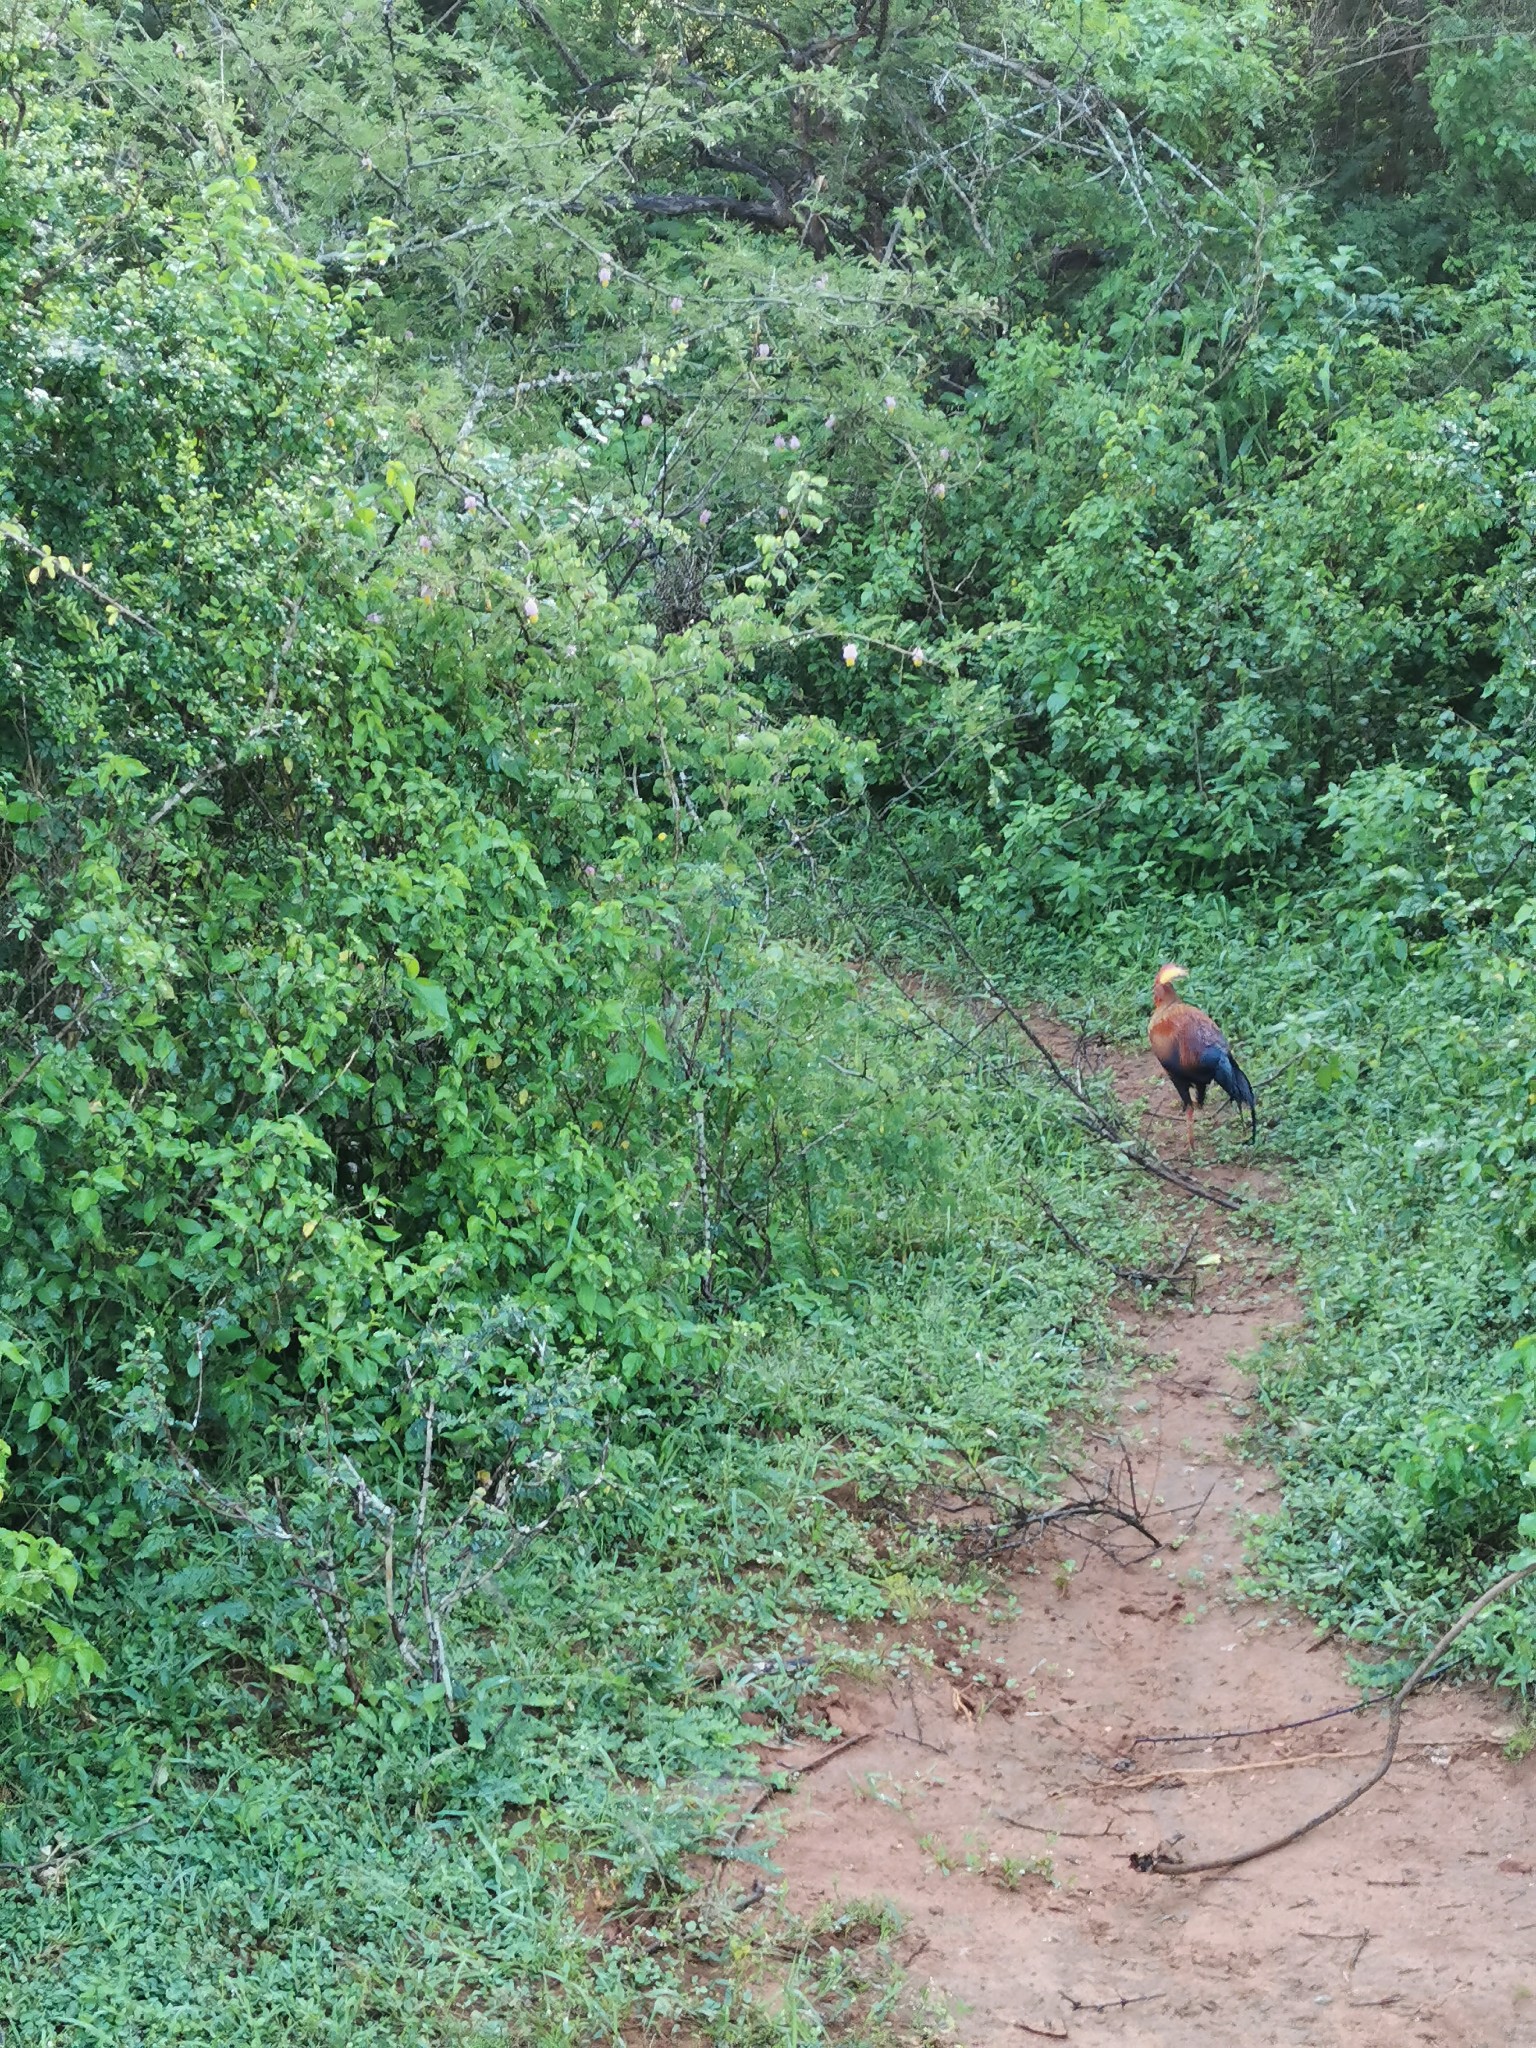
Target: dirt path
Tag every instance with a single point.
(998, 1803)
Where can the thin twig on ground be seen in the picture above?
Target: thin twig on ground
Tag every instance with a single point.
(1032, 1827)
(1102, 1499)
(1180, 1774)
(1372, 1699)
(1133, 1276)
(800, 1771)
(1158, 1865)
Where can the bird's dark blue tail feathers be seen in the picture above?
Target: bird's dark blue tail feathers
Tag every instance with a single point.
(1230, 1077)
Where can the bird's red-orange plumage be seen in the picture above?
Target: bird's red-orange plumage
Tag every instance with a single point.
(1193, 1052)
(1180, 1034)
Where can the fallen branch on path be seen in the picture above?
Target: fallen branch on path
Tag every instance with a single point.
(1101, 1499)
(804, 1770)
(1372, 1699)
(1133, 1276)
(1158, 1865)
(1180, 1774)
(1033, 1827)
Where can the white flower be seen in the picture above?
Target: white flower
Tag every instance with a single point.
(779, 441)
(676, 304)
(794, 440)
(890, 403)
(605, 271)
(763, 351)
(850, 653)
(531, 609)
(704, 517)
(941, 490)
(918, 657)
(646, 420)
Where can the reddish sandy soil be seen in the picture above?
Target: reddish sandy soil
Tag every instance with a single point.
(1410, 1918)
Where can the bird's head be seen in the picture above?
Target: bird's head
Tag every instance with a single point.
(1162, 988)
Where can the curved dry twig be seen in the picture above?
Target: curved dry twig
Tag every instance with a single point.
(1156, 1864)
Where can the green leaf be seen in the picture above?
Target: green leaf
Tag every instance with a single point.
(623, 1068)
(432, 999)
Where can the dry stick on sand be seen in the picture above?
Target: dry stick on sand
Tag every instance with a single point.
(800, 1771)
(1171, 1866)
(1133, 1276)
(1180, 1774)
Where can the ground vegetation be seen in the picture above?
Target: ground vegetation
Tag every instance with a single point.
(582, 590)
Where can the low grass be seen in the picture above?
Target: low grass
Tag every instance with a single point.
(208, 1852)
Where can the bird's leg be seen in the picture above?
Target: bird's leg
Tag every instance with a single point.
(1189, 1127)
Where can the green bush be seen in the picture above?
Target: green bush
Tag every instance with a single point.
(40, 1654)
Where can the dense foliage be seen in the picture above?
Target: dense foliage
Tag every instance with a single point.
(536, 542)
